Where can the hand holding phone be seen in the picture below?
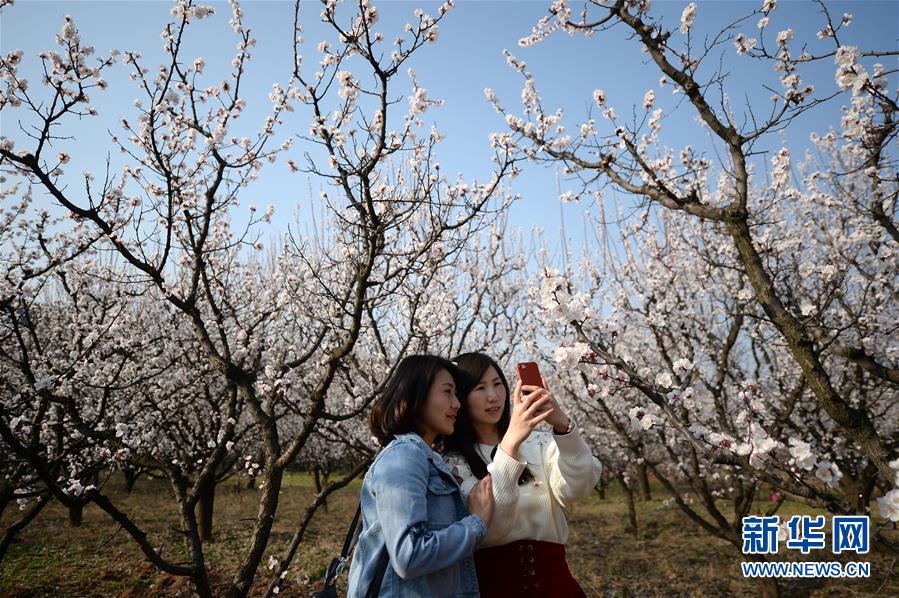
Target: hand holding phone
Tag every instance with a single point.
(529, 408)
(529, 374)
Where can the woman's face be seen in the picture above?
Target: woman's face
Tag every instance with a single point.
(438, 415)
(487, 400)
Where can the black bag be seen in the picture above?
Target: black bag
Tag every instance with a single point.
(338, 563)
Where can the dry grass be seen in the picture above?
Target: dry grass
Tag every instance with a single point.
(670, 557)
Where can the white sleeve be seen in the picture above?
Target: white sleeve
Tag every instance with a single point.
(572, 468)
(505, 471)
(460, 470)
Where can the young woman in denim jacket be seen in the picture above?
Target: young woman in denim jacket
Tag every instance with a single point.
(412, 507)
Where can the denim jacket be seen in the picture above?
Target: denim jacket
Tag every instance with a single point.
(412, 505)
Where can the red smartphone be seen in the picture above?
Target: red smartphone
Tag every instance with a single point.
(529, 374)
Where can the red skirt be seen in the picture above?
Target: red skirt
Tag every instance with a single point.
(525, 568)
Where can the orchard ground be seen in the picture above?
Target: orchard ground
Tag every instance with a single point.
(670, 556)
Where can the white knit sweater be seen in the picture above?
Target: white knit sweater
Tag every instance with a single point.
(564, 471)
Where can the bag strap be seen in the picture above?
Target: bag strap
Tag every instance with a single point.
(352, 532)
(338, 563)
(375, 588)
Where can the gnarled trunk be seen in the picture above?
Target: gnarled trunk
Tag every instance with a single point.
(76, 513)
(601, 487)
(268, 505)
(768, 587)
(321, 480)
(131, 476)
(631, 507)
(643, 480)
(205, 507)
(17, 526)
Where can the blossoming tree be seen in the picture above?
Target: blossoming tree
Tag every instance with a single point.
(277, 337)
(782, 363)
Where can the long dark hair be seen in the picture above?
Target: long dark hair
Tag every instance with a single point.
(471, 367)
(398, 409)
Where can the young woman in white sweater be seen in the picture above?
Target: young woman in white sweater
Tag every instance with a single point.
(536, 477)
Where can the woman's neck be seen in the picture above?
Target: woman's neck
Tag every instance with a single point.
(486, 433)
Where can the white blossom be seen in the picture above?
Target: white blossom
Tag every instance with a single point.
(664, 380)
(802, 455)
(889, 505)
(687, 16)
(640, 416)
(743, 43)
(828, 473)
(682, 365)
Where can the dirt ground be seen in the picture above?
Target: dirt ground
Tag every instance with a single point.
(670, 556)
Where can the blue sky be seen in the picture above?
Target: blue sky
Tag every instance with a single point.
(466, 59)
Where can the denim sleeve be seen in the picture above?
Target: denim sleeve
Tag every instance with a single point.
(400, 485)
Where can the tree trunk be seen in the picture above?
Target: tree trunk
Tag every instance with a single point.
(601, 488)
(768, 587)
(856, 423)
(205, 506)
(864, 488)
(631, 508)
(321, 480)
(6, 497)
(268, 505)
(198, 574)
(76, 512)
(643, 479)
(131, 476)
(307, 518)
(19, 525)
